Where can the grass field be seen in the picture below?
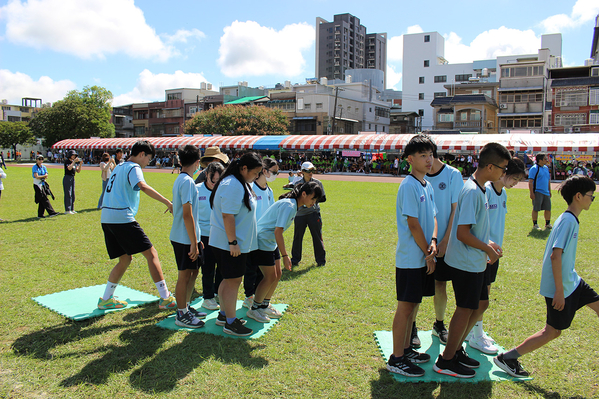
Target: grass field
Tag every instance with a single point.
(323, 347)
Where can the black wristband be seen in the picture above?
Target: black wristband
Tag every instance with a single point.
(234, 242)
(434, 239)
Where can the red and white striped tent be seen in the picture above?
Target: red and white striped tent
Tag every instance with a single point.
(552, 143)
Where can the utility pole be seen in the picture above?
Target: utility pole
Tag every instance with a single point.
(335, 109)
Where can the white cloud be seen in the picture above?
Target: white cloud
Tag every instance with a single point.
(583, 11)
(395, 44)
(249, 49)
(182, 35)
(17, 85)
(88, 29)
(393, 78)
(151, 87)
(491, 44)
(414, 29)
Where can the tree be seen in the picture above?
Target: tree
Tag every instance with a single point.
(15, 133)
(237, 120)
(80, 115)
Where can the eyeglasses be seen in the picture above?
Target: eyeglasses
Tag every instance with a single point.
(273, 172)
(592, 197)
(500, 167)
(309, 170)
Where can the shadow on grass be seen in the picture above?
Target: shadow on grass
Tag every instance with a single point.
(543, 393)
(167, 368)
(296, 272)
(387, 387)
(539, 234)
(35, 218)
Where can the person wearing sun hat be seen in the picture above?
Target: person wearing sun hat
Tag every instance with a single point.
(212, 154)
(311, 218)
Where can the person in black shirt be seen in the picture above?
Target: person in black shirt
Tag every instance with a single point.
(71, 165)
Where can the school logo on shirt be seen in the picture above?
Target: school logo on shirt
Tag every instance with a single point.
(442, 186)
(504, 205)
(493, 206)
(202, 198)
(574, 235)
(422, 198)
(259, 197)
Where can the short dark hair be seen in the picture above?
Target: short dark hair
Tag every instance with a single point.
(118, 150)
(214, 167)
(493, 153)
(419, 143)
(142, 146)
(188, 154)
(516, 167)
(576, 184)
(540, 156)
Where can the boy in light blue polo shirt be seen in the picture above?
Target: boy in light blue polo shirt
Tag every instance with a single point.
(185, 236)
(539, 186)
(467, 252)
(415, 254)
(564, 291)
(123, 235)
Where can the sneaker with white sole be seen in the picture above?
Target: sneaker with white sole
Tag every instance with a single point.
(416, 357)
(548, 226)
(536, 227)
(237, 328)
(403, 366)
(248, 302)
(168, 303)
(210, 304)
(511, 366)
(271, 312)
(470, 335)
(221, 320)
(197, 313)
(111, 303)
(488, 338)
(452, 368)
(440, 331)
(188, 320)
(257, 315)
(464, 359)
(484, 345)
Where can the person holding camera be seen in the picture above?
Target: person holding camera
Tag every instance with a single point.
(71, 165)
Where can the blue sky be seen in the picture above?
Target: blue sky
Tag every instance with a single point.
(137, 49)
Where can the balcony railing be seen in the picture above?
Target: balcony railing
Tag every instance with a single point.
(467, 124)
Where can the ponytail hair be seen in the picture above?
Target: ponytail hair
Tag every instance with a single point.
(267, 163)
(309, 188)
(251, 160)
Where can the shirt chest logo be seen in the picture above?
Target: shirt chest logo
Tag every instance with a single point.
(442, 186)
(202, 198)
(259, 197)
(422, 198)
(493, 206)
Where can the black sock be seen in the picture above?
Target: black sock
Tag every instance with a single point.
(534, 222)
(547, 222)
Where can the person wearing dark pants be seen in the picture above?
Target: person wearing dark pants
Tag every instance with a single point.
(40, 174)
(311, 218)
(71, 165)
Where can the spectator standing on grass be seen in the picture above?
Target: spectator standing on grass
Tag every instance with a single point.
(41, 188)
(311, 218)
(2, 176)
(71, 165)
(564, 291)
(539, 186)
(106, 166)
(2, 162)
(122, 234)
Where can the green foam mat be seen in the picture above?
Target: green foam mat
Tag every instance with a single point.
(211, 328)
(487, 371)
(82, 303)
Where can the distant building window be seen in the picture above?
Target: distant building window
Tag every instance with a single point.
(440, 94)
(445, 117)
(571, 98)
(441, 79)
(594, 96)
(463, 78)
(173, 96)
(318, 105)
(426, 63)
(427, 38)
(421, 96)
(176, 130)
(6, 108)
(521, 71)
(307, 106)
(420, 112)
(594, 118)
(421, 80)
(570, 119)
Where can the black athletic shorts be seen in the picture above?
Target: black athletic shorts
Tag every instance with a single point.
(491, 272)
(262, 258)
(469, 288)
(125, 239)
(182, 256)
(442, 271)
(229, 266)
(413, 284)
(562, 319)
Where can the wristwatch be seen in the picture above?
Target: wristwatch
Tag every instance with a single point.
(234, 242)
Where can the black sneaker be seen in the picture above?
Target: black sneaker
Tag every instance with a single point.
(221, 320)
(199, 315)
(188, 320)
(510, 366)
(237, 328)
(452, 368)
(466, 360)
(415, 341)
(402, 365)
(417, 357)
(440, 331)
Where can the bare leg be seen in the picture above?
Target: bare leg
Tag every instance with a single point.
(408, 339)
(119, 270)
(278, 273)
(153, 264)
(403, 315)
(266, 284)
(537, 340)
(458, 329)
(191, 284)
(227, 293)
(440, 299)
(547, 215)
(535, 215)
(181, 288)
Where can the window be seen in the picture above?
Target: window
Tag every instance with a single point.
(307, 106)
(176, 130)
(595, 71)
(570, 119)
(318, 105)
(594, 96)
(521, 97)
(420, 112)
(571, 98)
(594, 117)
(382, 112)
(173, 96)
(445, 117)
(139, 130)
(463, 78)
(4, 108)
(524, 121)
(421, 80)
(421, 96)
(521, 71)
(426, 63)
(427, 38)
(440, 94)
(441, 79)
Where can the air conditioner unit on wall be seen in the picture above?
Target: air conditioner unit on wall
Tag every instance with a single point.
(567, 130)
(547, 129)
(503, 106)
(577, 129)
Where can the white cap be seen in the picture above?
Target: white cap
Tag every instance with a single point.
(307, 166)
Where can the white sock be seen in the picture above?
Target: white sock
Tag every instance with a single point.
(478, 329)
(109, 291)
(182, 311)
(162, 289)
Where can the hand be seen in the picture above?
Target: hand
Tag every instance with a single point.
(169, 207)
(202, 244)
(234, 250)
(430, 265)
(558, 302)
(194, 252)
(532, 196)
(549, 193)
(441, 248)
(497, 248)
(432, 248)
(287, 262)
(492, 254)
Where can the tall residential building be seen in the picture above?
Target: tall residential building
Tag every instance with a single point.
(344, 44)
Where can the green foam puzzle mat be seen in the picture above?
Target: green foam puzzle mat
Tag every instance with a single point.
(487, 371)
(211, 328)
(82, 303)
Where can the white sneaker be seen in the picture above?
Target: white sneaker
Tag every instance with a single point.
(536, 227)
(248, 302)
(488, 338)
(484, 345)
(548, 226)
(216, 298)
(271, 312)
(210, 304)
(257, 315)
(470, 335)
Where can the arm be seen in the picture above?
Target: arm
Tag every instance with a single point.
(281, 244)
(191, 231)
(418, 234)
(104, 166)
(442, 247)
(72, 165)
(150, 192)
(531, 192)
(549, 184)
(229, 222)
(79, 166)
(556, 267)
(465, 235)
(37, 176)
